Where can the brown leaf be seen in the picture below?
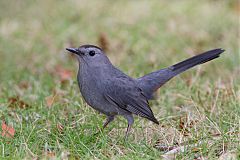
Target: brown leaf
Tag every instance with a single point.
(196, 149)
(189, 81)
(50, 100)
(24, 85)
(7, 131)
(185, 124)
(49, 154)
(63, 73)
(59, 127)
(103, 42)
(56, 96)
(16, 102)
(181, 124)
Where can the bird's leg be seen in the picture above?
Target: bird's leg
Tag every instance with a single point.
(130, 120)
(108, 120)
(128, 130)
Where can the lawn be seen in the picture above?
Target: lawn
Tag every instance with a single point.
(43, 115)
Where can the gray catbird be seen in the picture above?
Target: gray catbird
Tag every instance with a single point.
(110, 91)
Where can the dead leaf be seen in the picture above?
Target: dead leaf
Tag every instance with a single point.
(59, 127)
(103, 42)
(189, 81)
(50, 100)
(7, 131)
(57, 96)
(49, 154)
(63, 73)
(185, 124)
(24, 85)
(196, 149)
(16, 102)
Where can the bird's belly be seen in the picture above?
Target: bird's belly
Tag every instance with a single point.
(96, 100)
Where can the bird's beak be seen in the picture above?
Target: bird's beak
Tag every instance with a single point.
(73, 50)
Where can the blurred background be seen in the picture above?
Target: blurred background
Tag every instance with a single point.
(36, 72)
(147, 35)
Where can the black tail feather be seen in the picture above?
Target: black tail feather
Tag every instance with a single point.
(199, 59)
(152, 81)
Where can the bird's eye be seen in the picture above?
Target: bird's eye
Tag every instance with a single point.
(92, 53)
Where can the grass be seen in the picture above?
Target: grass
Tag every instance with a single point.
(199, 110)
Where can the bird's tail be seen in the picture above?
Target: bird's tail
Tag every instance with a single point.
(193, 61)
(152, 81)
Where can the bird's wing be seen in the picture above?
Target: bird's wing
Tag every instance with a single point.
(125, 94)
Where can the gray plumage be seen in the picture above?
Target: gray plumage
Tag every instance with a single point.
(110, 91)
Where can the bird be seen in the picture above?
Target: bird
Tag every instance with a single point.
(110, 91)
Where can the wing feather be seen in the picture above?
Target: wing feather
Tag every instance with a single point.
(125, 94)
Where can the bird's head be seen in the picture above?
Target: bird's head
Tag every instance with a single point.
(90, 54)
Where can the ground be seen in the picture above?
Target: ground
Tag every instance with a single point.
(43, 115)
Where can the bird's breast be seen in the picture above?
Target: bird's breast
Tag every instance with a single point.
(92, 92)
